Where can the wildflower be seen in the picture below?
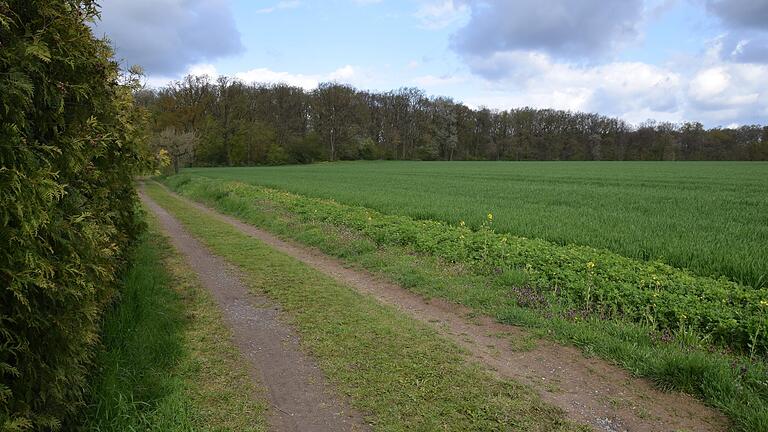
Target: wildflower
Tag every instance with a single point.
(590, 265)
(461, 223)
(764, 303)
(461, 236)
(490, 217)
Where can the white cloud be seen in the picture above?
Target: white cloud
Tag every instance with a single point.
(157, 81)
(442, 13)
(266, 75)
(707, 90)
(203, 69)
(287, 4)
(345, 74)
(614, 88)
(730, 89)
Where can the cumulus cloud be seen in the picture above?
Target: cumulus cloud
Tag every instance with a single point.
(167, 36)
(345, 74)
(746, 24)
(559, 27)
(550, 54)
(730, 91)
(711, 91)
(618, 88)
(750, 14)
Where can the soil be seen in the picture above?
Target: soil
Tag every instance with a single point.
(299, 395)
(590, 390)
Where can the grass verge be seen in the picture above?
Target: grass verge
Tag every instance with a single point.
(167, 363)
(395, 369)
(735, 384)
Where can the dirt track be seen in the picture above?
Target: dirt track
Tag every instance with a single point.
(590, 390)
(300, 398)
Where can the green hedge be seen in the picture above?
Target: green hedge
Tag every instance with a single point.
(581, 279)
(68, 152)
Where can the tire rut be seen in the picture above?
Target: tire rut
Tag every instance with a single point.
(301, 398)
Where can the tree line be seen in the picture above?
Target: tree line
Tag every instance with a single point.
(226, 122)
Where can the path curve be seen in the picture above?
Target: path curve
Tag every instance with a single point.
(590, 390)
(300, 397)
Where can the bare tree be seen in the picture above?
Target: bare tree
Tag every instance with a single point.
(180, 147)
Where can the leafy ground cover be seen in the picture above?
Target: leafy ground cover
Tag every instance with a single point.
(704, 216)
(679, 358)
(167, 363)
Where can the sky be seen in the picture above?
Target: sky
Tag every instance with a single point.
(668, 60)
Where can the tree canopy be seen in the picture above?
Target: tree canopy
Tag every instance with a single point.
(248, 124)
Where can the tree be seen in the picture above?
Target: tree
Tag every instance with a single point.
(237, 124)
(178, 145)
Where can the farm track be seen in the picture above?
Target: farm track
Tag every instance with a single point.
(298, 392)
(590, 390)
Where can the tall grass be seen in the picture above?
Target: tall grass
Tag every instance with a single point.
(167, 362)
(708, 217)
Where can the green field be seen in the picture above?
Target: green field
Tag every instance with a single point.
(695, 334)
(709, 217)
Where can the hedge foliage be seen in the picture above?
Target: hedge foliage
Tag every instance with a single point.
(69, 147)
(581, 278)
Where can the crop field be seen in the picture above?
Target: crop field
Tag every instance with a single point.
(708, 217)
(687, 331)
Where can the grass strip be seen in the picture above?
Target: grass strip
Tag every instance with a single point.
(393, 367)
(167, 363)
(735, 384)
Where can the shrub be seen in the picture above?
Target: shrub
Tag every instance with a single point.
(68, 150)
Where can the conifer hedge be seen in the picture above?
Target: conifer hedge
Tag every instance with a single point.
(69, 148)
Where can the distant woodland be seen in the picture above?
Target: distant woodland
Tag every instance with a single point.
(226, 122)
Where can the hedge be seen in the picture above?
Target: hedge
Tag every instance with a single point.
(68, 152)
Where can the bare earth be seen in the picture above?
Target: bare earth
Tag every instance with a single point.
(298, 392)
(591, 391)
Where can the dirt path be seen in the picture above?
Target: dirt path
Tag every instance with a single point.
(590, 390)
(298, 392)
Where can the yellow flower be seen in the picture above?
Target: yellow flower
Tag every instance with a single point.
(590, 265)
(490, 216)
(764, 303)
(461, 223)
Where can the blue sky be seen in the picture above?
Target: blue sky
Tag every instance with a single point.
(669, 60)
